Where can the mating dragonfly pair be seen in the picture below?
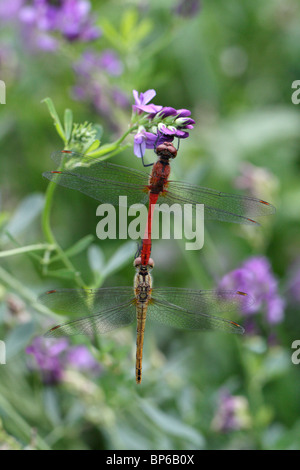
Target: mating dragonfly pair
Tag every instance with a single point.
(111, 308)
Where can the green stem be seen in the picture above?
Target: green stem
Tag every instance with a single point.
(253, 387)
(130, 130)
(24, 249)
(24, 429)
(46, 214)
(25, 293)
(109, 148)
(50, 237)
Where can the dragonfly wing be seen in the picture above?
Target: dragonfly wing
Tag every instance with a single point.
(218, 205)
(104, 182)
(99, 168)
(204, 301)
(86, 301)
(191, 309)
(106, 320)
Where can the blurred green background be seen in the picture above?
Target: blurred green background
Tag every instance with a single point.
(232, 64)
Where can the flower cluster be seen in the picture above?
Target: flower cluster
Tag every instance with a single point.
(157, 124)
(232, 413)
(52, 358)
(40, 18)
(255, 277)
(257, 180)
(187, 8)
(293, 283)
(94, 72)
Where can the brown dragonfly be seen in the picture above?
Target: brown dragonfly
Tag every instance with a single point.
(110, 308)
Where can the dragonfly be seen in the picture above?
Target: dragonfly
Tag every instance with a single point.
(157, 184)
(106, 181)
(107, 309)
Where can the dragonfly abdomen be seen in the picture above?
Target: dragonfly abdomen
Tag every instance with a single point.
(140, 330)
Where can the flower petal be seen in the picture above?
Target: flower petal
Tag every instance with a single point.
(148, 95)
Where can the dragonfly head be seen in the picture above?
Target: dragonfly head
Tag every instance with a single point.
(138, 263)
(166, 150)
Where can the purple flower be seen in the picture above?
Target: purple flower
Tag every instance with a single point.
(139, 144)
(141, 101)
(255, 277)
(52, 358)
(40, 41)
(93, 85)
(110, 62)
(70, 17)
(187, 8)
(92, 63)
(232, 413)
(167, 111)
(48, 358)
(144, 139)
(120, 98)
(293, 283)
(81, 358)
(41, 17)
(9, 10)
(157, 124)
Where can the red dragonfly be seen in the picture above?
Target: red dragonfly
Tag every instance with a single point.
(105, 182)
(157, 184)
(110, 308)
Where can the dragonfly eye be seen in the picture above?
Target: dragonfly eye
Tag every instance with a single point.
(151, 263)
(137, 261)
(166, 150)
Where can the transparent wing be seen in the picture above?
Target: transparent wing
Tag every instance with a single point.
(192, 309)
(107, 309)
(102, 181)
(218, 205)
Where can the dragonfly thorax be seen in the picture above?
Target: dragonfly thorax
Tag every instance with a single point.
(143, 291)
(143, 280)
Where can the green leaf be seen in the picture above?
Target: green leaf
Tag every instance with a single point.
(77, 248)
(112, 35)
(120, 258)
(29, 208)
(96, 261)
(52, 406)
(62, 274)
(171, 425)
(128, 23)
(55, 117)
(94, 146)
(143, 29)
(18, 339)
(68, 122)
(4, 217)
